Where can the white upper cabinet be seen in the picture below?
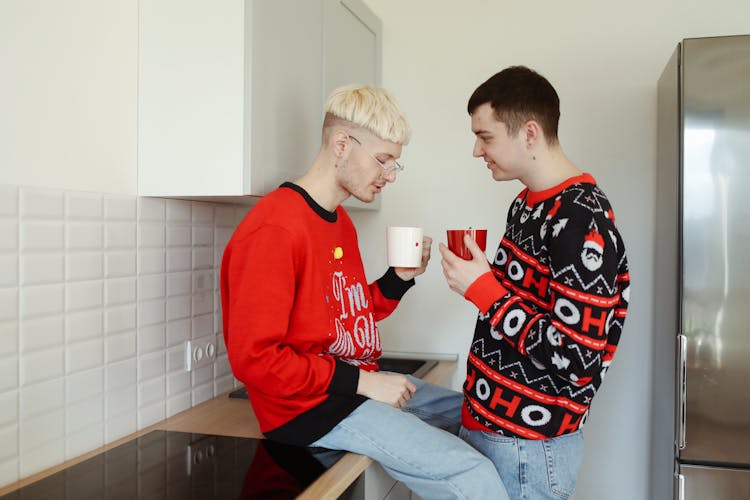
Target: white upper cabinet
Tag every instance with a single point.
(231, 92)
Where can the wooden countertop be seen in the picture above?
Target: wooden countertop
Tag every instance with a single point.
(227, 416)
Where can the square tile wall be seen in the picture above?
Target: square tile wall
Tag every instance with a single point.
(98, 294)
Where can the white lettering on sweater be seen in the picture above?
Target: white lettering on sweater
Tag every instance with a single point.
(354, 313)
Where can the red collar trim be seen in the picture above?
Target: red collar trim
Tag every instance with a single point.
(535, 197)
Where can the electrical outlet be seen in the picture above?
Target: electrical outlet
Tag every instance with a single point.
(201, 352)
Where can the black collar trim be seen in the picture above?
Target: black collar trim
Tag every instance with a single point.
(322, 212)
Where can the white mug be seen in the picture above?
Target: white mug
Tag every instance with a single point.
(404, 246)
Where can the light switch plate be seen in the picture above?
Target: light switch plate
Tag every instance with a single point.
(201, 352)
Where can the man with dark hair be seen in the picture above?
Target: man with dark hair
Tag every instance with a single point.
(552, 302)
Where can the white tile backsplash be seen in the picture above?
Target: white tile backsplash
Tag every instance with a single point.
(122, 401)
(8, 443)
(8, 408)
(152, 209)
(152, 286)
(84, 236)
(98, 294)
(9, 230)
(84, 266)
(8, 270)
(42, 365)
(203, 258)
(83, 325)
(120, 290)
(83, 414)
(41, 398)
(84, 385)
(41, 429)
(84, 206)
(119, 235)
(41, 300)
(8, 373)
(118, 319)
(151, 261)
(179, 260)
(178, 403)
(178, 307)
(151, 366)
(119, 208)
(151, 312)
(84, 355)
(179, 283)
(37, 459)
(120, 375)
(151, 235)
(78, 443)
(8, 200)
(202, 326)
(178, 236)
(203, 213)
(119, 264)
(9, 337)
(8, 304)
(37, 269)
(42, 235)
(41, 333)
(151, 338)
(120, 426)
(41, 203)
(203, 235)
(179, 211)
(151, 391)
(120, 346)
(178, 332)
(84, 295)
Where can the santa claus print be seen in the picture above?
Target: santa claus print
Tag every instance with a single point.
(593, 250)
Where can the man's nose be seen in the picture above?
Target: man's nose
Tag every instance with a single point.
(477, 149)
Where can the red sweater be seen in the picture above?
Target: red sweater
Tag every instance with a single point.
(298, 315)
(551, 314)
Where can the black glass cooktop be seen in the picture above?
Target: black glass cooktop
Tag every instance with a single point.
(179, 465)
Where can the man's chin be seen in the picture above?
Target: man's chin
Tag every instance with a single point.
(365, 197)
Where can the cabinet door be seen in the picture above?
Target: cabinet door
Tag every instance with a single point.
(190, 97)
(286, 84)
(351, 47)
(351, 54)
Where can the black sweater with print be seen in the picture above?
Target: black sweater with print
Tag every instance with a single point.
(551, 313)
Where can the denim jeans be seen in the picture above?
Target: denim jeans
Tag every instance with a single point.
(429, 459)
(529, 468)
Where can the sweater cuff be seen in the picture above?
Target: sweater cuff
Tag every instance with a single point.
(392, 287)
(485, 291)
(345, 379)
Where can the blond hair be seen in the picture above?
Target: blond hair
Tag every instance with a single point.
(368, 107)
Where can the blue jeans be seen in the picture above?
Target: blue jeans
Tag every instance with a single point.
(429, 459)
(529, 468)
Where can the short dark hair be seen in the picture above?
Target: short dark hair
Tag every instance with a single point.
(518, 94)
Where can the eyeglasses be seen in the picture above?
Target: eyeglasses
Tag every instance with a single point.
(388, 166)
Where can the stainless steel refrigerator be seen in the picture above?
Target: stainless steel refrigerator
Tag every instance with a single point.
(702, 267)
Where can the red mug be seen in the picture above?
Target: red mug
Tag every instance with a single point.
(456, 241)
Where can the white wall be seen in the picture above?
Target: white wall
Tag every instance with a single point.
(604, 59)
(68, 94)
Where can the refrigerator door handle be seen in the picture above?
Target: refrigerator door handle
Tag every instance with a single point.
(680, 487)
(682, 388)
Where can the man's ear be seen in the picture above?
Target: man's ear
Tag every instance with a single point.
(340, 141)
(533, 132)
